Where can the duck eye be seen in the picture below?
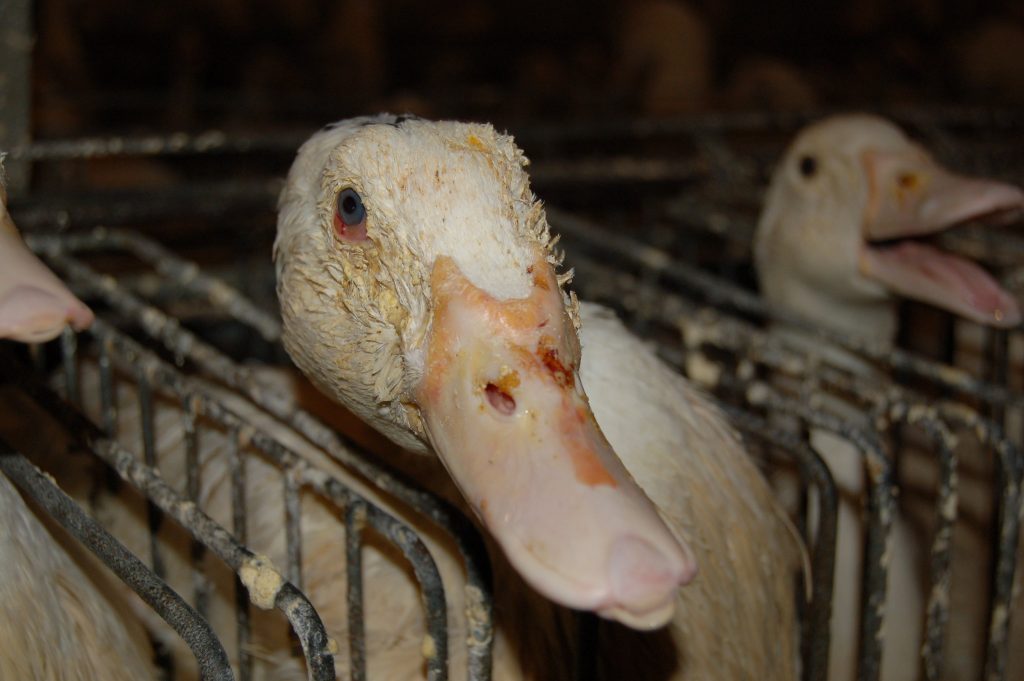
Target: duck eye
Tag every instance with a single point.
(350, 216)
(808, 166)
(350, 207)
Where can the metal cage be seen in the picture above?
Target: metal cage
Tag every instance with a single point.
(666, 254)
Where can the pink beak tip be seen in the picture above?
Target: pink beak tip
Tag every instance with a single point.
(642, 577)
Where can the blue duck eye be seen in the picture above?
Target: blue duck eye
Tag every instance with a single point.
(350, 207)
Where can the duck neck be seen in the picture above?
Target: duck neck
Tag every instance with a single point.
(870, 319)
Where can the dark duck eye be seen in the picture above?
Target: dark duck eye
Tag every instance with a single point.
(808, 166)
(350, 216)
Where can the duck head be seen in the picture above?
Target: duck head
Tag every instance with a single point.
(418, 288)
(35, 305)
(838, 238)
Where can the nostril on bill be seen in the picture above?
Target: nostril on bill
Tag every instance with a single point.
(502, 402)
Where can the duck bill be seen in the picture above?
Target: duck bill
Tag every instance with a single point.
(505, 411)
(34, 304)
(909, 195)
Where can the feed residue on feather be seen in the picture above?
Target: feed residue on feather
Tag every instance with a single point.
(262, 580)
(476, 143)
(429, 648)
(702, 370)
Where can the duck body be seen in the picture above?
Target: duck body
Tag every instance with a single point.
(55, 622)
(839, 241)
(689, 460)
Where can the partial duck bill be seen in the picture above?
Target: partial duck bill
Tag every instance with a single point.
(505, 411)
(909, 195)
(35, 305)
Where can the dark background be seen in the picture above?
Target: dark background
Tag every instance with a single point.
(114, 66)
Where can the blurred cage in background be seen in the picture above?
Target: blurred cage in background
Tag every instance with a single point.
(657, 219)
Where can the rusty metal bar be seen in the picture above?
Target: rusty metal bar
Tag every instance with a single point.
(220, 541)
(236, 473)
(183, 343)
(293, 527)
(940, 567)
(588, 239)
(153, 514)
(201, 585)
(213, 661)
(355, 520)
(815, 630)
(171, 144)
(130, 354)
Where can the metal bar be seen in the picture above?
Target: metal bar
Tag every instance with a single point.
(181, 342)
(303, 619)
(213, 661)
(236, 469)
(170, 144)
(181, 272)
(16, 38)
(69, 360)
(108, 399)
(815, 629)
(880, 511)
(940, 568)
(355, 520)
(1009, 473)
(435, 646)
(590, 239)
(130, 354)
(200, 583)
(222, 200)
(293, 527)
(815, 637)
(153, 515)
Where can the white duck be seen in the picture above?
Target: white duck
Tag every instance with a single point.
(417, 287)
(58, 622)
(835, 247)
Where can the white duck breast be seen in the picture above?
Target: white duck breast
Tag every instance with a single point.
(418, 288)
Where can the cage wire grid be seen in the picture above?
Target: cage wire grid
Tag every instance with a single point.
(696, 320)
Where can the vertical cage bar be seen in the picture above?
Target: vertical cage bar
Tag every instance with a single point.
(153, 514)
(15, 85)
(933, 650)
(1008, 506)
(200, 583)
(355, 521)
(293, 527)
(108, 402)
(69, 363)
(236, 464)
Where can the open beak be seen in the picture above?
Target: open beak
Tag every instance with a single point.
(909, 195)
(505, 411)
(34, 304)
